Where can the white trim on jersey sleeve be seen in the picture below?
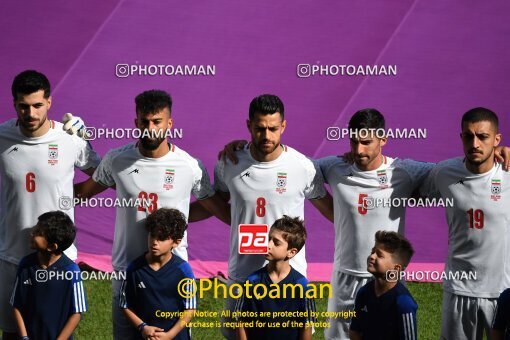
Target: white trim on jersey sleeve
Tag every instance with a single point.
(80, 302)
(13, 295)
(409, 327)
(190, 302)
(122, 295)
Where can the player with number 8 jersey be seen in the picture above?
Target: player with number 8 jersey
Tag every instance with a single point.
(268, 181)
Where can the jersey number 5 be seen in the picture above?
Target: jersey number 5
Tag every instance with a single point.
(362, 204)
(475, 218)
(148, 201)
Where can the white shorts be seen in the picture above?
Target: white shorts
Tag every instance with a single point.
(465, 317)
(123, 329)
(7, 278)
(344, 287)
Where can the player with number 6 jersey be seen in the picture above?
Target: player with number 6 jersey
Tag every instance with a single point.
(37, 164)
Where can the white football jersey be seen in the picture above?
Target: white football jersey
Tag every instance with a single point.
(36, 173)
(262, 192)
(478, 227)
(356, 218)
(164, 182)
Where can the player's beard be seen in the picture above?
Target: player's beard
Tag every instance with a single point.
(151, 143)
(478, 161)
(265, 151)
(25, 124)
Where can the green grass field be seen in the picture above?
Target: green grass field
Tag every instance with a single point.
(97, 323)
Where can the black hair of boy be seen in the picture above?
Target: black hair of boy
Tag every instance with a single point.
(57, 228)
(164, 224)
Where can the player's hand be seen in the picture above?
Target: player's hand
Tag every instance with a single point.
(502, 155)
(230, 149)
(73, 125)
(149, 332)
(163, 336)
(348, 157)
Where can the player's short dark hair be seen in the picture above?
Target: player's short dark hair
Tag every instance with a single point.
(28, 82)
(293, 230)
(165, 223)
(367, 119)
(479, 114)
(56, 227)
(397, 245)
(266, 104)
(153, 101)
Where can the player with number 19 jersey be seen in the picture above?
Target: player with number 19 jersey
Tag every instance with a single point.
(478, 222)
(164, 182)
(262, 192)
(36, 177)
(356, 217)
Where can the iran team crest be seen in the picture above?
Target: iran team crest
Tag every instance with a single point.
(281, 182)
(169, 179)
(53, 154)
(383, 178)
(495, 189)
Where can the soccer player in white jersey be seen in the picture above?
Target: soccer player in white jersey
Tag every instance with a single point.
(478, 223)
(270, 180)
(151, 169)
(355, 187)
(37, 161)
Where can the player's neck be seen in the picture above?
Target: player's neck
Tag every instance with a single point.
(156, 262)
(381, 285)
(261, 157)
(161, 150)
(375, 164)
(481, 168)
(278, 270)
(46, 258)
(37, 133)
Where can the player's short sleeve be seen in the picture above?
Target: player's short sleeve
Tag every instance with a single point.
(103, 174)
(308, 306)
(407, 308)
(219, 177)
(16, 296)
(19, 289)
(315, 183)
(86, 157)
(127, 291)
(417, 171)
(324, 165)
(428, 187)
(502, 316)
(202, 188)
(188, 285)
(357, 321)
(79, 297)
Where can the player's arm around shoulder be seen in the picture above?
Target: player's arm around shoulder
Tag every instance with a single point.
(100, 180)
